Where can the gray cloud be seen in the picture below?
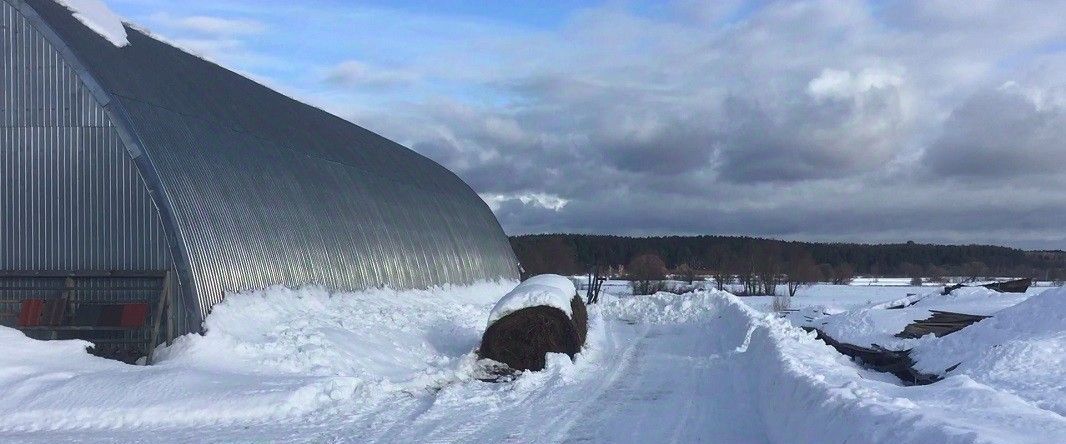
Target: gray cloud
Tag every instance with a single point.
(811, 119)
(1002, 133)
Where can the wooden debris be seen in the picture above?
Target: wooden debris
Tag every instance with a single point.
(1011, 286)
(896, 362)
(939, 324)
(1015, 286)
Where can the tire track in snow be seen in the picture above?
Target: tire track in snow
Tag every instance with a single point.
(624, 363)
(545, 414)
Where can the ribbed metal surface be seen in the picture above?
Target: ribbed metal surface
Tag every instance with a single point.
(264, 190)
(70, 196)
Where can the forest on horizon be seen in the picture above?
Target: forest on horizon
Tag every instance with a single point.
(577, 253)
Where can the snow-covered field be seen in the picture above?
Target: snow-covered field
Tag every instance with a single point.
(390, 366)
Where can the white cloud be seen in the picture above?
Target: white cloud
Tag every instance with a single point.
(843, 85)
(829, 119)
(359, 74)
(535, 200)
(210, 25)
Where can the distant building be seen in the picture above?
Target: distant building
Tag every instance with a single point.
(121, 165)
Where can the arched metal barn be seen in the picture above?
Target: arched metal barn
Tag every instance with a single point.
(137, 173)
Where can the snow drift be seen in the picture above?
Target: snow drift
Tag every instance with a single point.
(269, 354)
(879, 325)
(1019, 350)
(398, 366)
(807, 392)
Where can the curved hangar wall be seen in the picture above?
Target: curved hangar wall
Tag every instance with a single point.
(255, 189)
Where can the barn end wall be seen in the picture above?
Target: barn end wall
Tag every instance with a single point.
(255, 189)
(71, 196)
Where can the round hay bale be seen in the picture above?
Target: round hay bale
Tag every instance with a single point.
(580, 317)
(523, 337)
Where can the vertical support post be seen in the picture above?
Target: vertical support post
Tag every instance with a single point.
(588, 288)
(169, 282)
(161, 309)
(67, 298)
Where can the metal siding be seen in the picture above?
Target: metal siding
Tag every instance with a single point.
(266, 190)
(71, 198)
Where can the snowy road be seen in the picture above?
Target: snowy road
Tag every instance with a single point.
(662, 383)
(680, 385)
(309, 366)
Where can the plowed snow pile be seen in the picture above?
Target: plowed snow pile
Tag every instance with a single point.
(878, 324)
(388, 366)
(1019, 350)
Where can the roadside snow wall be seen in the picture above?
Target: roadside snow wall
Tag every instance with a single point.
(806, 392)
(1020, 349)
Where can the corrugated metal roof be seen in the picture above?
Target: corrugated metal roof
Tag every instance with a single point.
(257, 189)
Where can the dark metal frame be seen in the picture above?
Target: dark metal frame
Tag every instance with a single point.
(160, 321)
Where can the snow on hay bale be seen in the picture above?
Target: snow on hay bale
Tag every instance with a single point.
(541, 315)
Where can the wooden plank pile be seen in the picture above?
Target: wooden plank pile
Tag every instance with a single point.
(939, 324)
(898, 363)
(1011, 286)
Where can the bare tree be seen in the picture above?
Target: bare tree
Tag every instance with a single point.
(801, 271)
(686, 273)
(936, 274)
(781, 303)
(646, 273)
(744, 269)
(912, 271)
(724, 264)
(768, 269)
(974, 270)
(843, 274)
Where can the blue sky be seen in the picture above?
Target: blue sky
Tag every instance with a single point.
(295, 43)
(887, 120)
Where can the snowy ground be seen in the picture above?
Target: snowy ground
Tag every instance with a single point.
(387, 366)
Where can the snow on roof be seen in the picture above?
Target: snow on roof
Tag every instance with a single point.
(98, 17)
(550, 290)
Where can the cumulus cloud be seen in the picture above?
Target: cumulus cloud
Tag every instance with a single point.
(830, 120)
(537, 200)
(1006, 132)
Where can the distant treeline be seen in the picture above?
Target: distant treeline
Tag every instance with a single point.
(575, 253)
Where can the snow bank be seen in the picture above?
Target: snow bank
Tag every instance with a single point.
(397, 366)
(878, 324)
(1020, 350)
(266, 355)
(804, 391)
(98, 17)
(665, 308)
(549, 290)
